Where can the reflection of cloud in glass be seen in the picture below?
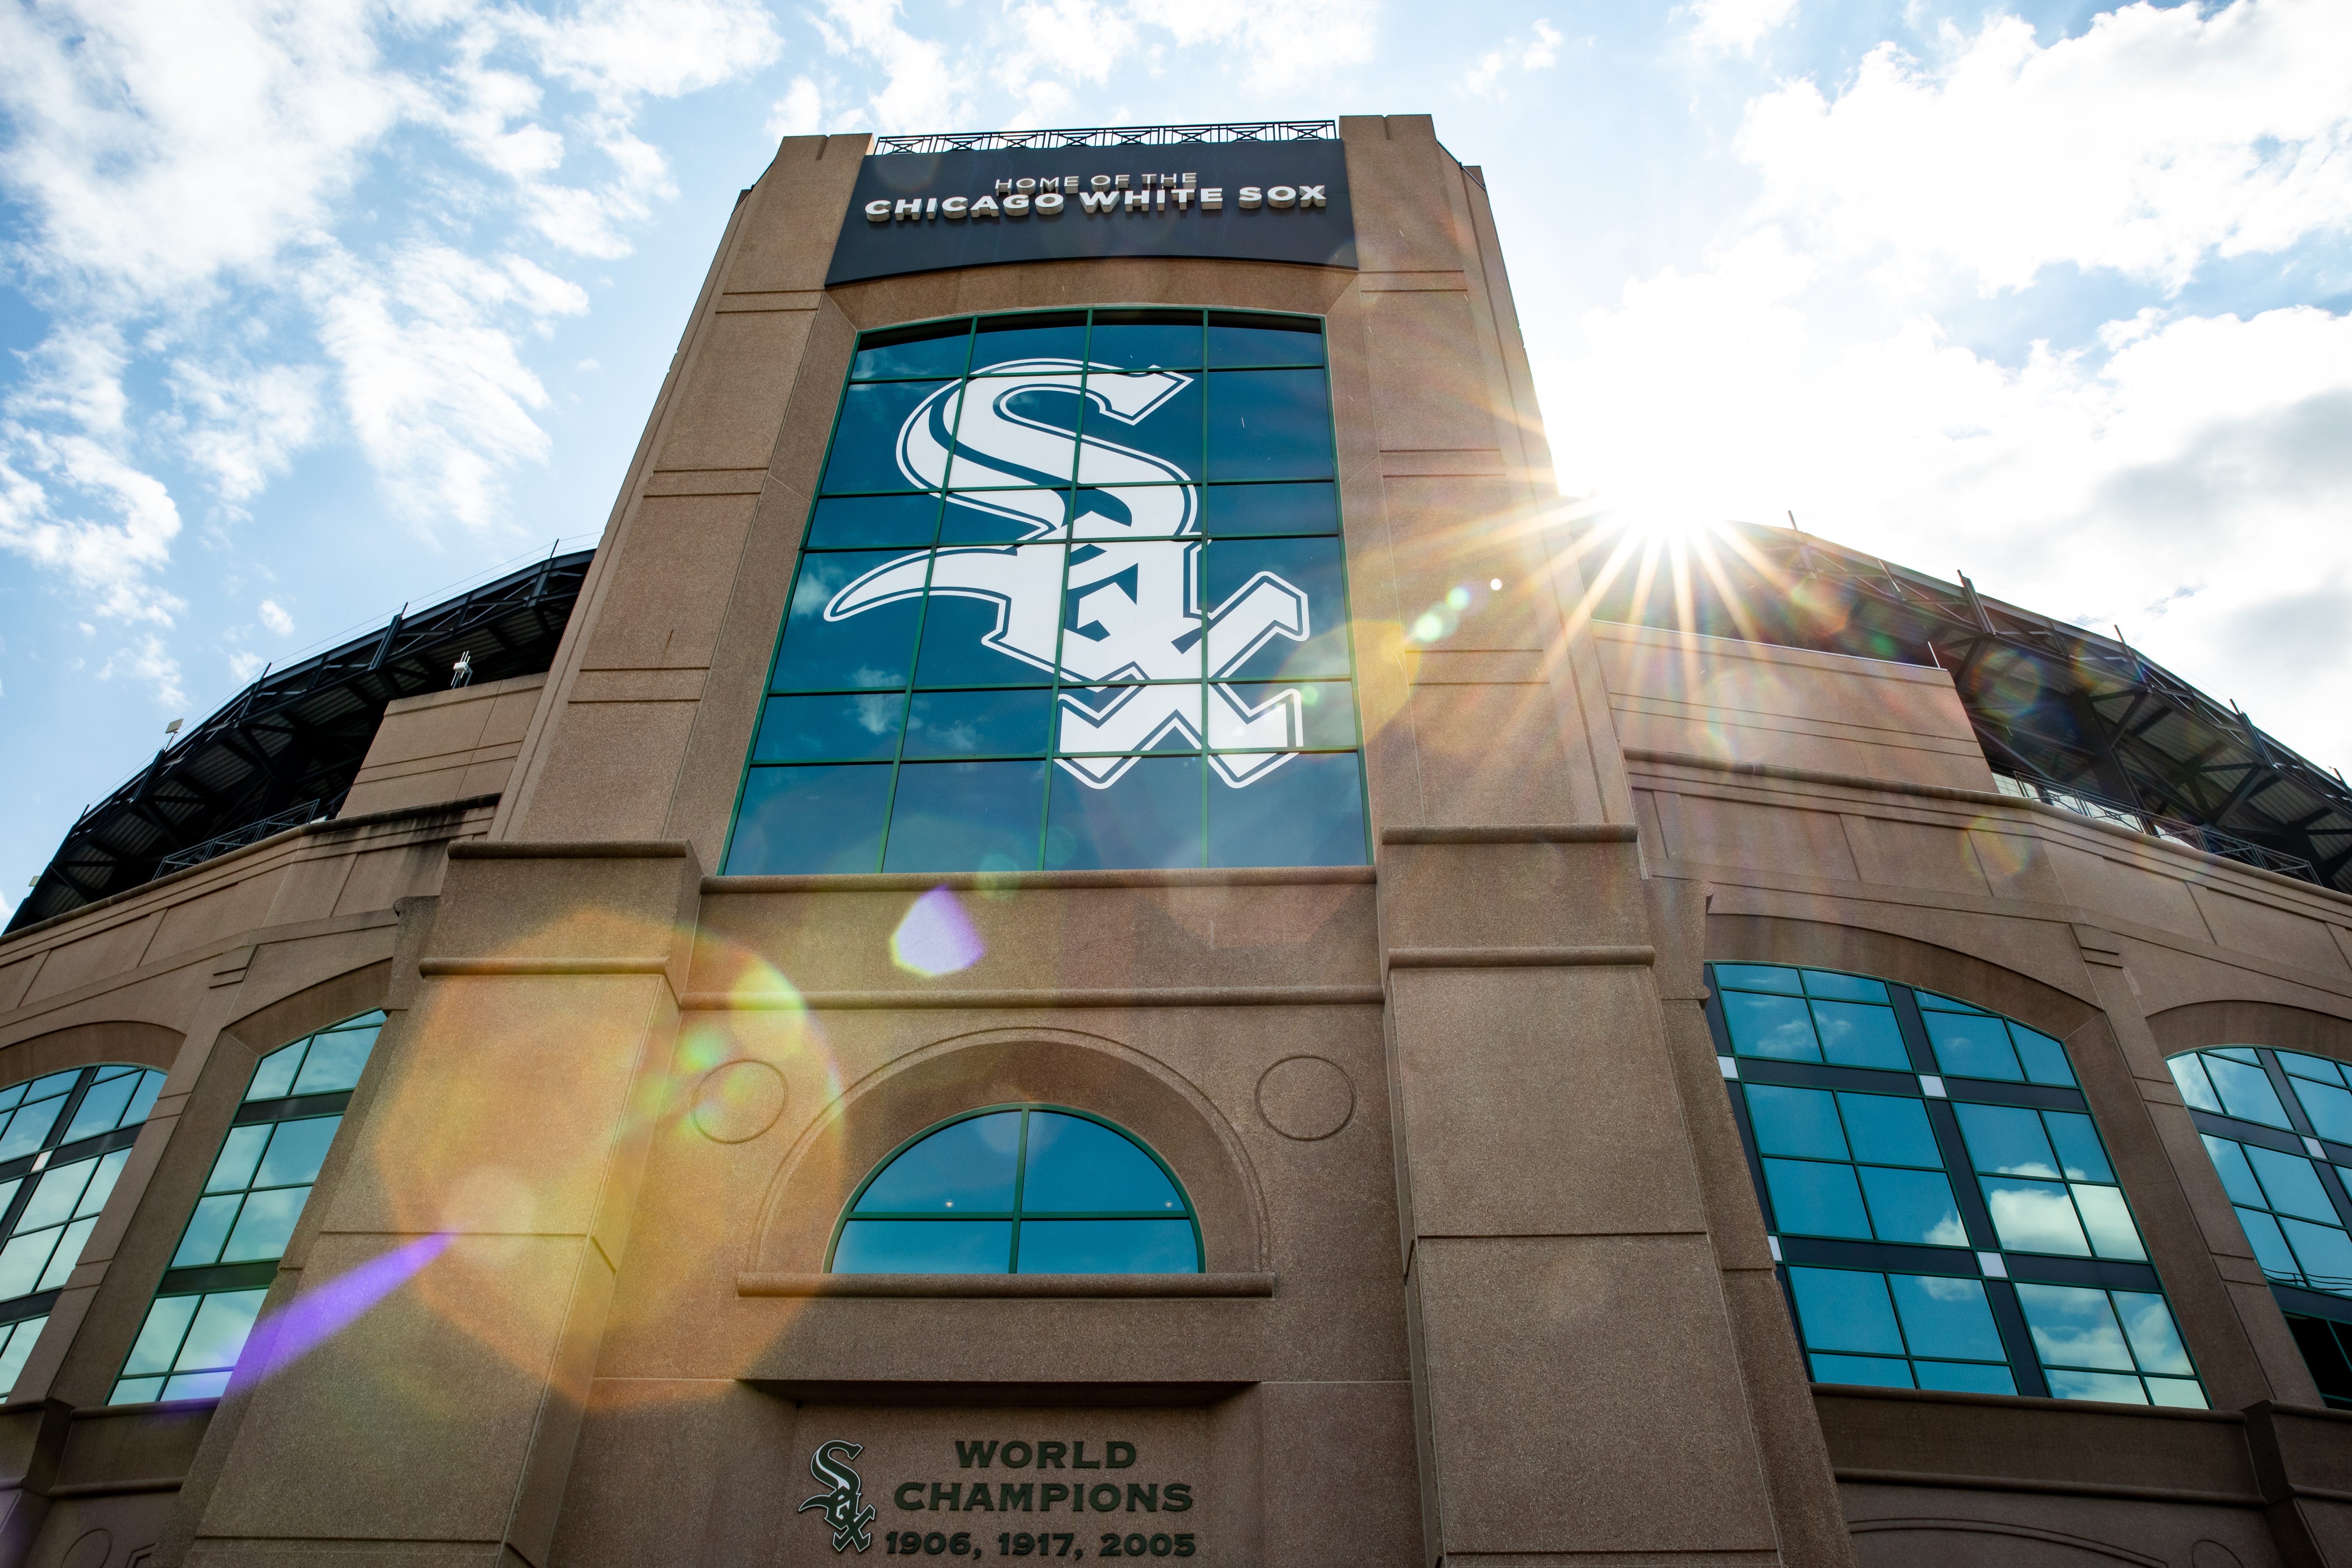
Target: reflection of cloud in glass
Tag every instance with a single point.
(2073, 1327)
(2032, 1217)
(1948, 1232)
(935, 937)
(878, 714)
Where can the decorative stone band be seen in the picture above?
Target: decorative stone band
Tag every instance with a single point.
(975, 1285)
(1521, 957)
(1136, 997)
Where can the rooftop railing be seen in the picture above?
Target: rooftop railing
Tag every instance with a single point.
(1113, 136)
(251, 832)
(2212, 840)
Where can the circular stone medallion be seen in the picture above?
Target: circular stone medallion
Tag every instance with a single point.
(1306, 1098)
(738, 1101)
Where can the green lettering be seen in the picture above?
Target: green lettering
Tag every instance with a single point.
(968, 1452)
(1010, 1495)
(1148, 1495)
(979, 1499)
(1105, 1498)
(1179, 1497)
(1053, 1493)
(1051, 1454)
(1118, 1456)
(952, 1491)
(1078, 1460)
(1010, 1462)
(900, 1497)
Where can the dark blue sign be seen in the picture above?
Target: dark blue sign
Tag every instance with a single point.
(1259, 201)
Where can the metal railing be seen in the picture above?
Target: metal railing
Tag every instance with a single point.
(1112, 136)
(251, 832)
(2212, 840)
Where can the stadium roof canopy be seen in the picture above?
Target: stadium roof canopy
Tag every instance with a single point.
(285, 752)
(2064, 714)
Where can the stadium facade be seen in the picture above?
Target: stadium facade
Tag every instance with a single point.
(1099, 929)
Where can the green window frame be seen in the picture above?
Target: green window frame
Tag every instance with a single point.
(2277, 1126)
(64, 1139)
(1938, 1201)
(1029, 1178)
(1174, 487)
(212, 1291)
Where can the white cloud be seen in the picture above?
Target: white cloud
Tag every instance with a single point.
(245, 428)
(2154, 139)
(800, 112)
(920, 89)
(244, 665)
(1542, 55)
(1726, 26)
(147, 660)
(1282, 41)
(274, 616)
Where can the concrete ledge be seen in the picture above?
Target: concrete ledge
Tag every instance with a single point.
(1519, 957)
(1537, 833)
(989, 881)
(543, 966)
(1056, 1286)
(1141, 997)
(582, 849)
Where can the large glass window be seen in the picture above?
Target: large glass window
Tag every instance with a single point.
(1938, 1199)
(228, 1252)
(1072, 596)
(64, 1139)
(1020, 1189)
(2278, 1126)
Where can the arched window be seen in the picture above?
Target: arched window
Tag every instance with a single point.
(1937, 1197)
(1019, 1189)
(228, 1254)
(2278, 1125)
(64, 1139)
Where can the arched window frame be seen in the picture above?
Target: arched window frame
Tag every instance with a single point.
(849, 1209)
(1947, 1055)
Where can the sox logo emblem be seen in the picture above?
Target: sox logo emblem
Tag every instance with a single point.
(845, 1506)
(1133, 608)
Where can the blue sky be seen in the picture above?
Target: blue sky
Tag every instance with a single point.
(311, 310)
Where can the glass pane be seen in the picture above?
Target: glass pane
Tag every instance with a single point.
(1945, 1317)
(1269, 425)
(2263, 1234)
(273, 1076)
(195, 1385)
(869, 649)
(1140, 428)
(1016, 430)
(1811, 1199)
(1843, 987)
(335, 1061)
(2007, 1140)
(2314, 1070)
(1141, 340)
(240, 1155)
(208, 1230)
(2190, 1074)
(158, 1344)
(1914, 1206)
(136, 1391)
(22, 1261)
(1283, 716)
(1962, 1377)
(1843, 1309)
(2034, 1216)
(1757, 977)
(70, 1242)
(101, 1183)
(11, 1095)
(2324, 1251)
(101, 1109)
(1265, 594)
(29, 1128)
(2237, 1176)
(1870, 1372)
(217, 1336)
(2246, 1091)
(1149, 816)
(2108, 1222)
(2147, 1322)
(142, 1099)
(1309, 811)
(1888, 1130)
(810, 819)
(1930, 1001)
(966, 1165)
(2290, 1184)
(53, 1200)
(296, 1151)
(2329, 1108)
(1003, 722)
(1288, 507)
(874, 523)
(836, 727)
(2044, 1059)
(1163, 717)
(967, 816)
(1855, 1035)
(1240, 337)
(2112, 1387)
(2180, 1392)
(924, 1246)
(1003, 516)
(937, 348)
(1076, 1165)
(866, 448)
(2077, 1142)
(1972, 1045)
(1770, 1027)
(1801, 1121)
(994, 616)
(2073, 1327)
(1109, 1247)
(265, 1225)
(18, 1350)
(1004, 340)
(1135, 511)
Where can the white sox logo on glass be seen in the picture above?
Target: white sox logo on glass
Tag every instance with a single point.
(844, 1505)
(1130, 609)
